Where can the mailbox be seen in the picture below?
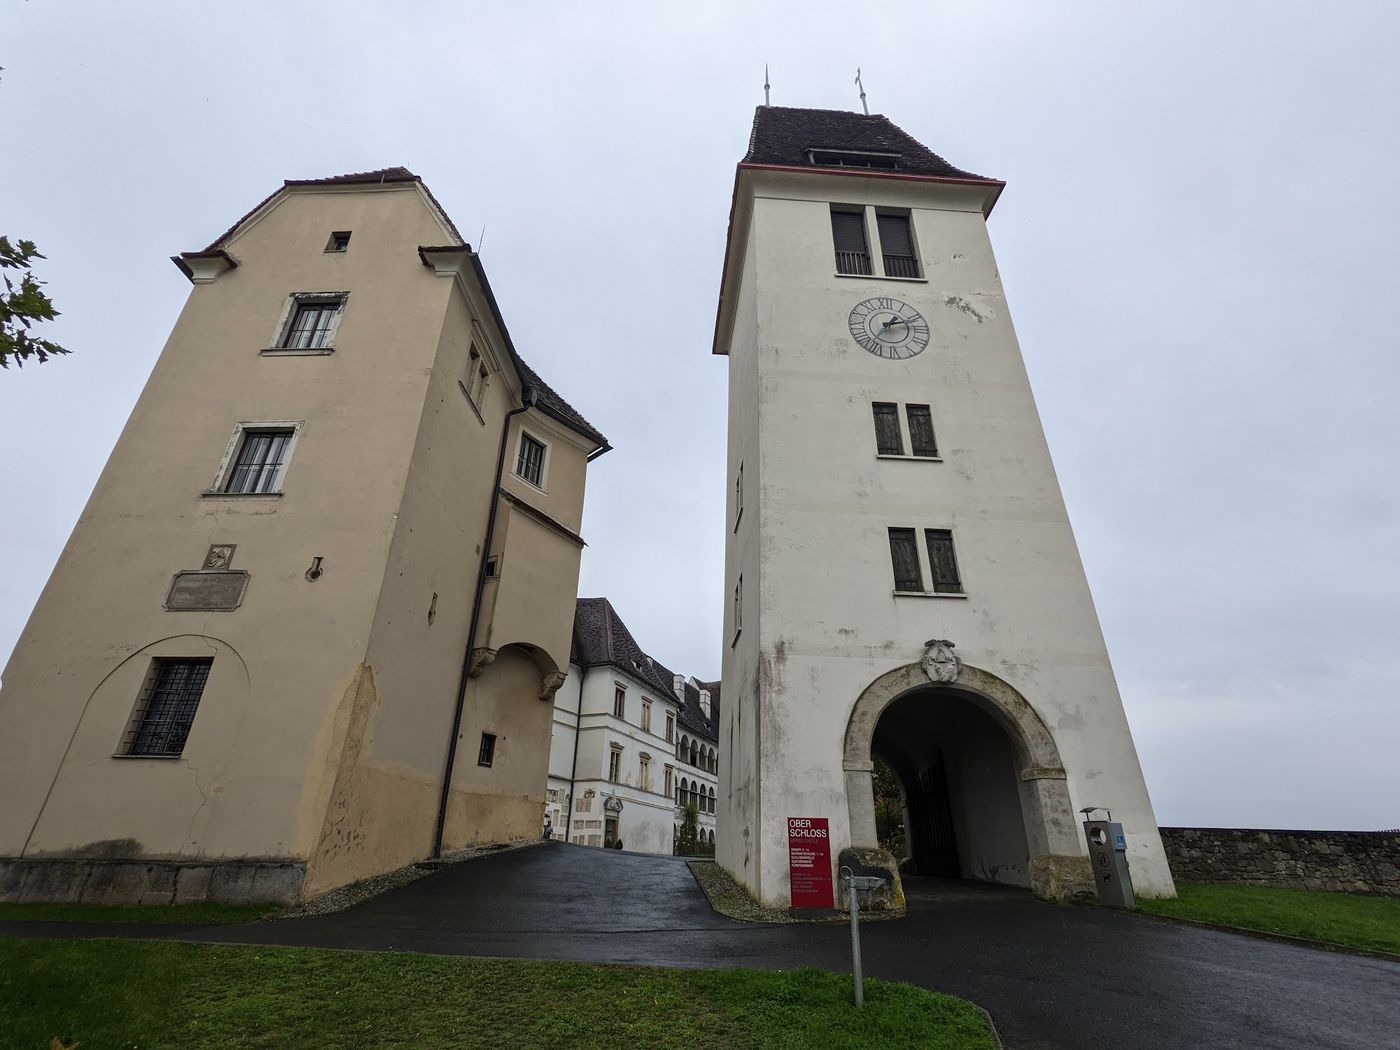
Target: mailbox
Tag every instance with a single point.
(1108, 856)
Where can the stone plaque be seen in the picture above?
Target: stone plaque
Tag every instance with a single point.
(207, 591)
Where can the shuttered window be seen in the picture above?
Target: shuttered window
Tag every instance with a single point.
(942, 563)
(848, 233)
(897, 245)
(921, 438)
(888, 440)
(904, 553)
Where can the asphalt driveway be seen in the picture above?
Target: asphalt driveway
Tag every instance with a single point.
(1073, 978)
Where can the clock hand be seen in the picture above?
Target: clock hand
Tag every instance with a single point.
(893, 320)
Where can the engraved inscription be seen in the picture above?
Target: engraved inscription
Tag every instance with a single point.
(207, 591)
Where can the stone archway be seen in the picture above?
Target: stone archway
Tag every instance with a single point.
(1058, 868)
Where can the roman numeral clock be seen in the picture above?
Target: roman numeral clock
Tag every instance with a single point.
(888, 328)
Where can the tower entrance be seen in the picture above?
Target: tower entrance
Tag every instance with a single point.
(955, 773)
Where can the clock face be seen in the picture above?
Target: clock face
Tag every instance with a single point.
(888, 328)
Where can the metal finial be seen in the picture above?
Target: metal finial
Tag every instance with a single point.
(862, 92)
(765, 83)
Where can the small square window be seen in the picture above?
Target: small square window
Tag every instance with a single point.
(260, 462)
(529, 463)
(165, 709)
(487, 754)
(339, 242)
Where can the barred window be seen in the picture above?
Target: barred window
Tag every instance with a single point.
(261, 460)
(529, 464)
(312, 324)
(165, 710)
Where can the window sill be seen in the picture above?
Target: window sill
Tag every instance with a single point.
(920, 459)
(158, 758)
(527, 481)
(475, 407)
(286, 351)
(240, 495)
(929, 594)
(878, 277)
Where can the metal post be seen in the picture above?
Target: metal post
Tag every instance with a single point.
(855, 942)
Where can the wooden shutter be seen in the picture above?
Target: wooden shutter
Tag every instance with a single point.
(905, 555)
(921, 437)
(848, 233)
(888, 440)
(942, 564)
(897, 246)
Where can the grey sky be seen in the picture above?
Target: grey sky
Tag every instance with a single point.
(1197, 241)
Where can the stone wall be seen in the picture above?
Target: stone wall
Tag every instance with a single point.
(149, 882)
(1342, 861)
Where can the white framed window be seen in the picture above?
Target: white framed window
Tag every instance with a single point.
(615, 764)
(309, 323)
(670, 727)
(530, 459)
(620, 701)
(644, 772)
(475, 377)
(255, 461)
(646, 715)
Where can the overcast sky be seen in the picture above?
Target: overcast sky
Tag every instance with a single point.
(1198, 241)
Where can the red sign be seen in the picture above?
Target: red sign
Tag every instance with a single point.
(809, 862)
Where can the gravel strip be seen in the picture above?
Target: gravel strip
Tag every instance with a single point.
(348, 896)
(729, 898)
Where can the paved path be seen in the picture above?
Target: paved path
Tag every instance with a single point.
(1074, 978)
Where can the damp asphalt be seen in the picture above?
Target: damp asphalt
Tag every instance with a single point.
(1076, 978)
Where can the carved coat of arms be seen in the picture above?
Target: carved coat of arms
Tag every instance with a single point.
(940, 663)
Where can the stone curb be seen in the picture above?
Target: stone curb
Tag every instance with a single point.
(1280, 938)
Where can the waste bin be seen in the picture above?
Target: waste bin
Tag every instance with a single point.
(1108, 856)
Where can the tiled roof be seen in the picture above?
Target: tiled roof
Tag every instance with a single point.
(785, 135)
(550, 403)
(601, 639)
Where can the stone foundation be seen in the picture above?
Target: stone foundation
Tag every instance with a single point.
(149, 881)
(1339, 861)
(1062, 879)
(866, 860)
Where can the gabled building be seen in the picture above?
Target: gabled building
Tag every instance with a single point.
(633, 745)
(310, 622)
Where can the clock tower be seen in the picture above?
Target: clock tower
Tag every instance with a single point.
(904, 593)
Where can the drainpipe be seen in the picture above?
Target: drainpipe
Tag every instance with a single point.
(528, 397)
(573, 770)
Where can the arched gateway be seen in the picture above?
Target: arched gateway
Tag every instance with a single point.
(1054, 865)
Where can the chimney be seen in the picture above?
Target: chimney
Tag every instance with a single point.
(705, 702)
(678, 684)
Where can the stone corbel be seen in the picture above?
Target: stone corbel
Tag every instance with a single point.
(550, 683)
(204, 267)
(481, 659)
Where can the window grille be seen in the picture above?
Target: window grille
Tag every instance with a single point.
(530, 462)
(312, 324)
(897, 245)
(487, 754)
(848, 233)
(921, 437)
(942, 564)
(165, 710)
(888, 441)
(260, 461)
(905, 555)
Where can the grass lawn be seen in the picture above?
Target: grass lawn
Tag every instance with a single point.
(192, 913)
(149, 994)
(1342, 918)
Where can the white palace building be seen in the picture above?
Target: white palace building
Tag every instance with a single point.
(633, 744)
